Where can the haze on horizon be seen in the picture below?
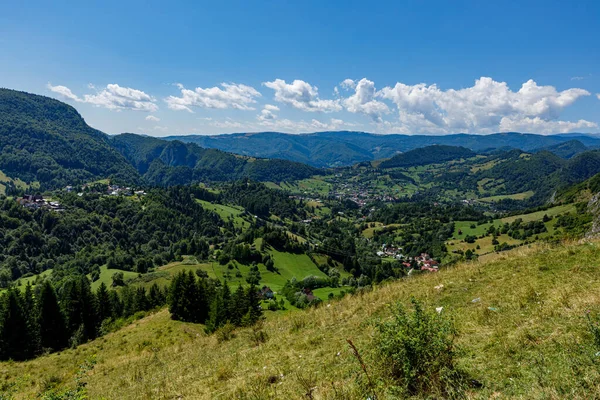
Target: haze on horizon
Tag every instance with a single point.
(426, 68)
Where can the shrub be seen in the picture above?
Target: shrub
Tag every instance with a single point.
(417, 352)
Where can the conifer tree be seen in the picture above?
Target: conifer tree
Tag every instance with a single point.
(51, 321)
(104, 303)
(15, 332)
(141, 302)
(89, 309)
(254, 309)
(116, 305)
(156, 296)
(175, 297)
(239, 306)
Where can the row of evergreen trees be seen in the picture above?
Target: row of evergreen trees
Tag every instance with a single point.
(212, 303)
(45, 319)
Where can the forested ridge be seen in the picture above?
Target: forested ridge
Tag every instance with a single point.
(46, 141)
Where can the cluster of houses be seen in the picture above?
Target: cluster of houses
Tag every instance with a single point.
(36, 202)
(424, 262)
(391, 251)
(116, 190)
(111, 190)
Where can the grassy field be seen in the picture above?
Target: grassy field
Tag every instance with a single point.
(485, 243)
(17, 182)
(226, 213)
(520, 321)
(516, 196)
(106, 276)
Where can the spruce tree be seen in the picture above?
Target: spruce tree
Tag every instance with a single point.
(239, 306)
(15, 334)
(71, 305)
(116, 305)
(254, 309)
(89, 309)
(203, 299)
(156, 296)
(141, 300)
(51, 321)
(29, 310)
(104, 303)
(175, 297)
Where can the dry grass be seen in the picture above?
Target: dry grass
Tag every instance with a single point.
(519, 339)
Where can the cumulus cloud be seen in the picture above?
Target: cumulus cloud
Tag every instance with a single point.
(268, 113)
(301, 95)
(152, 118)
(363, 100)
(480, 108)
(598, 96)
(63, 91)
(229, 95)
(538, 124)
(113, 97)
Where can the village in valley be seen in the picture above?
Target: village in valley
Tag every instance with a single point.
(37, 201)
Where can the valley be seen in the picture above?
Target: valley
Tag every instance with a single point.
(161, 261)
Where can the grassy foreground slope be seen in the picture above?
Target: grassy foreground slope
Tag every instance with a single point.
(521, 321)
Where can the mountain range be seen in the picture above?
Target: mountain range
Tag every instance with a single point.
(44, 140)
(336, 149)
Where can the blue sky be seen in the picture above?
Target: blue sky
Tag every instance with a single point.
(232, 66)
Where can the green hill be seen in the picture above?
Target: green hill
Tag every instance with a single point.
(427, 155)
(566, 149)
(45, 140)
(522, 325)
(176, 163)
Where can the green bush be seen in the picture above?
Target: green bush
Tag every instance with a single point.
(417, 352)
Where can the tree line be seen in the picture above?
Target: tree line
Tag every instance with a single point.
(45, 319)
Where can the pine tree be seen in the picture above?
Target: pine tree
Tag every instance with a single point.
(204, 294)
(15, 333)
(51, 321)
(175, 297)
(254, 309)
(116, 305)
(156, 296)
(128, 299)
(29, 310)
(71, 305)
(89, 309)
(141, 302)
(104, 303)
(239, 306)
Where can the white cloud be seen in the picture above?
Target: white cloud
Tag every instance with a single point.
(113, 97)
(479, 108)
(227, 124)
(537, 124)
(63, 91)
(598, 96)
(577, 78)
(271, 107)
(152, 118)
(301, 95)
(348, 84)
(231, 95)
(363, 100)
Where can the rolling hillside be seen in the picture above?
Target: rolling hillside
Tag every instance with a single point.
(521, 331)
